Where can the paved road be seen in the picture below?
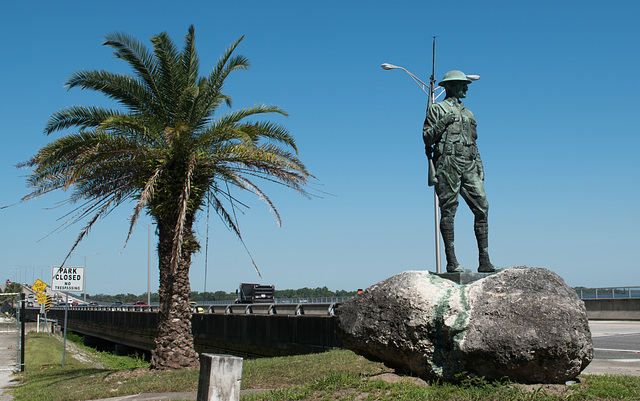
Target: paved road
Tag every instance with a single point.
(617, 348)
(8, 343)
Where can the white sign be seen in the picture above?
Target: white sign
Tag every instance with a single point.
(67, 279)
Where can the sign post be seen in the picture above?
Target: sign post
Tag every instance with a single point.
(69, 279)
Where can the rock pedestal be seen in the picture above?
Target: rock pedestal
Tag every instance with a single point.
(522, 323)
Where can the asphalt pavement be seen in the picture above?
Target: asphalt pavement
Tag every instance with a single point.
(617, 348)
(8, 350)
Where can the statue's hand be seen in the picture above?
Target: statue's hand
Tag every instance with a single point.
(448, 118)
(445, 121)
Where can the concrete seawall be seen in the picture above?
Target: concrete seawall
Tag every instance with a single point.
(613, 308)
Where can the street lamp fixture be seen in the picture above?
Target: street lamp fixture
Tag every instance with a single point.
(418, 81)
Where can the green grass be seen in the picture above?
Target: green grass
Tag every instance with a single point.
(108, 359)
(45, 378)
(338, 387)
(335, 375)
(613, 387)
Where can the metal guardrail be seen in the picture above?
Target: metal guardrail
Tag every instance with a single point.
(609, 292)
(315, 309)
(125, 308)
(284, 308)
(318, 300)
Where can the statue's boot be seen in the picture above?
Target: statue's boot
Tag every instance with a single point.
(482, 236)
(446, 228)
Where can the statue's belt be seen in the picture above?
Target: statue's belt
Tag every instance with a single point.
(460, 149)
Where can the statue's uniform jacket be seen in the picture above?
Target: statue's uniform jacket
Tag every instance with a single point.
(458, 165)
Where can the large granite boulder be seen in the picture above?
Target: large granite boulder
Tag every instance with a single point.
(522, 323)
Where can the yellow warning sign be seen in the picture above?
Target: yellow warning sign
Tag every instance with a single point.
(42, 299)
(39, 286)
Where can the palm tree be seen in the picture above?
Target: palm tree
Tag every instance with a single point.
(165, 151)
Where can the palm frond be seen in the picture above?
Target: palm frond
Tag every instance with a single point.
(124, 89)
(220, 210)
(190, 60)
(169, 70)
(246, 184)
(179, 229)
(78, 116)
(215, 81)
(86, 230)
(145, 197)
(136, 54)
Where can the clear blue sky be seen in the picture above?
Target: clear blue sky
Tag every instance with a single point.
(557, 115)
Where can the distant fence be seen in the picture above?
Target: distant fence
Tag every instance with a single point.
(609, 292)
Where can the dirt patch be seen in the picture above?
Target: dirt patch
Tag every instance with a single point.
(394, 378)
(127, 374)
(552, 389)
(81, 355)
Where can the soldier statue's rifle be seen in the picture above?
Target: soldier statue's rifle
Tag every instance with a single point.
(431, 178)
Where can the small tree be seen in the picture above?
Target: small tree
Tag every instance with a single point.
(14, 288)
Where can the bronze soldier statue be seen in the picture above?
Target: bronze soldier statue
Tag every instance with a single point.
(450, 130)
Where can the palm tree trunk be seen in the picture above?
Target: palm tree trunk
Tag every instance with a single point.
(174, 342)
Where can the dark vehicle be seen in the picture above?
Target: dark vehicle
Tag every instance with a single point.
(93, 303)
(255, 293)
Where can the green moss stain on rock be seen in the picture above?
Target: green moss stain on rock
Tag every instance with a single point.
(448, 327)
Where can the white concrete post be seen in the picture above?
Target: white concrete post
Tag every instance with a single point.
(220, 377)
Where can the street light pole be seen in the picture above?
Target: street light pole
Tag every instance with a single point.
(149, 265)
(84, 282)
(148, 262)
(84, 276)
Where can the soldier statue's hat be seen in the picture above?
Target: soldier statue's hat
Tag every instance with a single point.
(454, 75)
